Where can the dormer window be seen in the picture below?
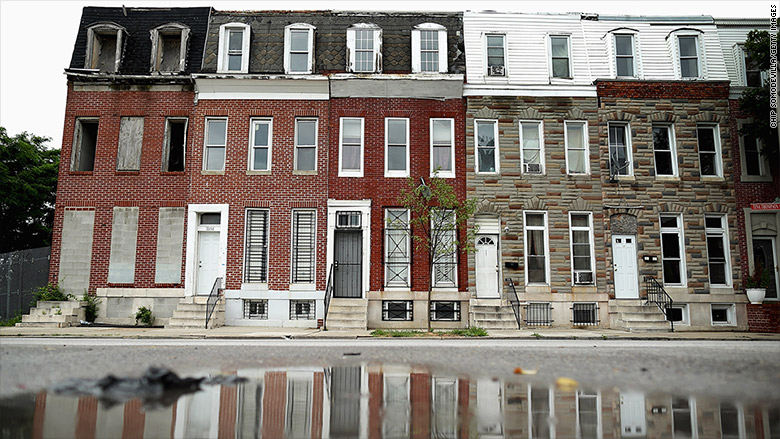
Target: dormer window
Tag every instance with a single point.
(299, 48)
(687, 52)
(560, 64)
(104, 47)
(624, 56)
(688, 46)
(495, 52)
(169, 48)
(364, 43)
(233, 48)
(429, 48)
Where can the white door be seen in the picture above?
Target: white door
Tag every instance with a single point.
(489, 410)
(208, 261)
(624, 262)
(633, 421)
(487, 267)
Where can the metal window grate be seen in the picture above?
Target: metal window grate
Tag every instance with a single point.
(302, 310)
(449, 311)
(538, 314)
(400, 310)
(256, 309)
(303, 246)
(256, 261)
(585, 313)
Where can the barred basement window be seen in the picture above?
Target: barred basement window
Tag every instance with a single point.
(302, 310)
(449, 311)
(585, 314)
(256, 254)
(398, 310)
(256, 309)
(538, 314)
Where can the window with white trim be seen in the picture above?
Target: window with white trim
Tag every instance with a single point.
(722, 314)
(619, 149)
(105, 42)
(672, 249)
(495, 53)
(131, 138)
(444, 410)
(216, 140)
(233, 48)
(260, 145)
(299, 396)
(753, 76)
(396, 147)
(683, 417)
(588, 414)
(444, 246)
(351, 147)
(710, 161)
(680, 313)
(169, 48)
(299, 48)
(664, 151)
(625, 65)
(732, 421)
(303, 246)
(536, 260)
(582, 254)
(560, 64)
(577, 154)
(754, 165)
(174, 144)
(364, 45)
(305, 144)
(396, 404)
(397, 310)
(443, 147)
(688, 50)
(429, 48)
(541, 410)
(532, 147)
(398, 248)
(717, 249)
(486, 142)
(256, 246)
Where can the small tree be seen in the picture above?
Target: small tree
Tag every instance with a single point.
(755, 101)
(436, 218)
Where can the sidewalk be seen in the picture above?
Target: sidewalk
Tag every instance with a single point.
(258, 333)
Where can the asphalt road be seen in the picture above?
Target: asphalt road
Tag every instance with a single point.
(733, 369)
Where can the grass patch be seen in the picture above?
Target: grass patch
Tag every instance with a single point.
(468, 332)
(395, 333)
(474, 331)
(13, 320)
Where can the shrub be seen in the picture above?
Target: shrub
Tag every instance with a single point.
(49, 292)
(90, 311)
(144, 315)
(759, 279)
(13, 320)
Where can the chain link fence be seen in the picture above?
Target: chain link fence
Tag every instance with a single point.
(21, 273)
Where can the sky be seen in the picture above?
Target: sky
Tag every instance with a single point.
(33, 87)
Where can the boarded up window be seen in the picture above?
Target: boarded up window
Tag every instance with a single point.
(84, 145)
(131, 135)
(173, 150)
(76, 250)
(170, 238)
(124, 232)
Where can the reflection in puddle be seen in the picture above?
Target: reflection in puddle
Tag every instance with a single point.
(390, 402)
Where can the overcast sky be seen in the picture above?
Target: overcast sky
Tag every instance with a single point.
(36, 39)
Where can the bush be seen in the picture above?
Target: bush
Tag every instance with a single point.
(49, 292)
(90, 311)
(144, 315)
(761, 278)
(13, 320)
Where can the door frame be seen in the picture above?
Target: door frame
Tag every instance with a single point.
(773, 243)
(364, 207)
(193, 227)
(499, 284)
(614, 277)
(342, 232)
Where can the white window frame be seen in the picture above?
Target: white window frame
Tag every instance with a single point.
(222, 59)
(293, 215)
(763, 164)
(495, 147)
(376, 58)
(267, 246)
(396, 173)
(699, 55)
(586, 146)
(634, 54)
(550, 56)
(104, 29)
(588, 229)
(546, 229)
(417, 47)
(207, 146)
(718, 151)
(731, 314)
(723, 232)
(351, 172)
(741, 60)
(691, 412)
(167, 31)
(406, 284)
(443, 173)
(582, 394)
(685, 311)
(681, 246)
(540, 127)
(252, 147)
(672, 151)
(485, 52)
(288, 48)
(297, 146)
(629, 154)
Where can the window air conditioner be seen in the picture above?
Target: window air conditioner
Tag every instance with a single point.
(532, 168)
(496, 71)
(583, 277)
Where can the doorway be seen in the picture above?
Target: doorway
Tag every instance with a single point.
(487, 267)
(348, 264)
(625, 267)
(764, 254)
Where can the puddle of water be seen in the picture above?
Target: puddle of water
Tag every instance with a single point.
(387, 401)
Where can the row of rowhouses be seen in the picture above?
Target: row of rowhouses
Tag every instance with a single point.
(263, 153)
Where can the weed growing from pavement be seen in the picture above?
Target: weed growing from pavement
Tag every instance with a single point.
(468, 332)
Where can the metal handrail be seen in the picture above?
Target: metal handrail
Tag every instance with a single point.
(211, 302)
(328, 294)
(656, 294)
(515, 302)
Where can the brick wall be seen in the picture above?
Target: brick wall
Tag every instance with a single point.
(663, 89)
(764, 317)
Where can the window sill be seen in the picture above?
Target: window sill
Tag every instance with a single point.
(303, 287)
(623, 178)
(444, 175)
(304, 172)
(212, 172)
(580, 174)
(252, 172)
(711, 178)
(396, 175)
(487, 174)
(80, 172)
(172, 173)
(232, 72)
(667, 178)
(721, 289)
(533, 174)
(351, 174)
(723, 324)
(447, 289)
(755, 178)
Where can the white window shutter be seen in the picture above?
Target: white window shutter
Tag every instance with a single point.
(739, 64)
(287, 50)
(245, 49)
(185, 36)
(638, 57)
(311, 50)
(416, 64)
(442, 51)
(702, 56)
(222, 50)
(378, 50)
(674, 53)
(350, 50)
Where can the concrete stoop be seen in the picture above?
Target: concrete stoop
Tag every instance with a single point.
(491, 315)
(191, 313)
(637, 316)
(55, 314)
(347, 314)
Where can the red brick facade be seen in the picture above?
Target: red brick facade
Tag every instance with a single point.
(764, 317)
(663, 89)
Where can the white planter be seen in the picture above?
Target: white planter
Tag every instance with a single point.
(756, 295)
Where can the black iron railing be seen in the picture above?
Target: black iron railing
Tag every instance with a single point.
(656, 294)
(514, 301)
(211, 302)
(328, 295)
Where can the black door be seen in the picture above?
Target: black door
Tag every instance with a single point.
(345, 402)
(349, 264)
(764, 254)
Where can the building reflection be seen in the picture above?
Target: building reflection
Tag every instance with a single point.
(389, 402)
